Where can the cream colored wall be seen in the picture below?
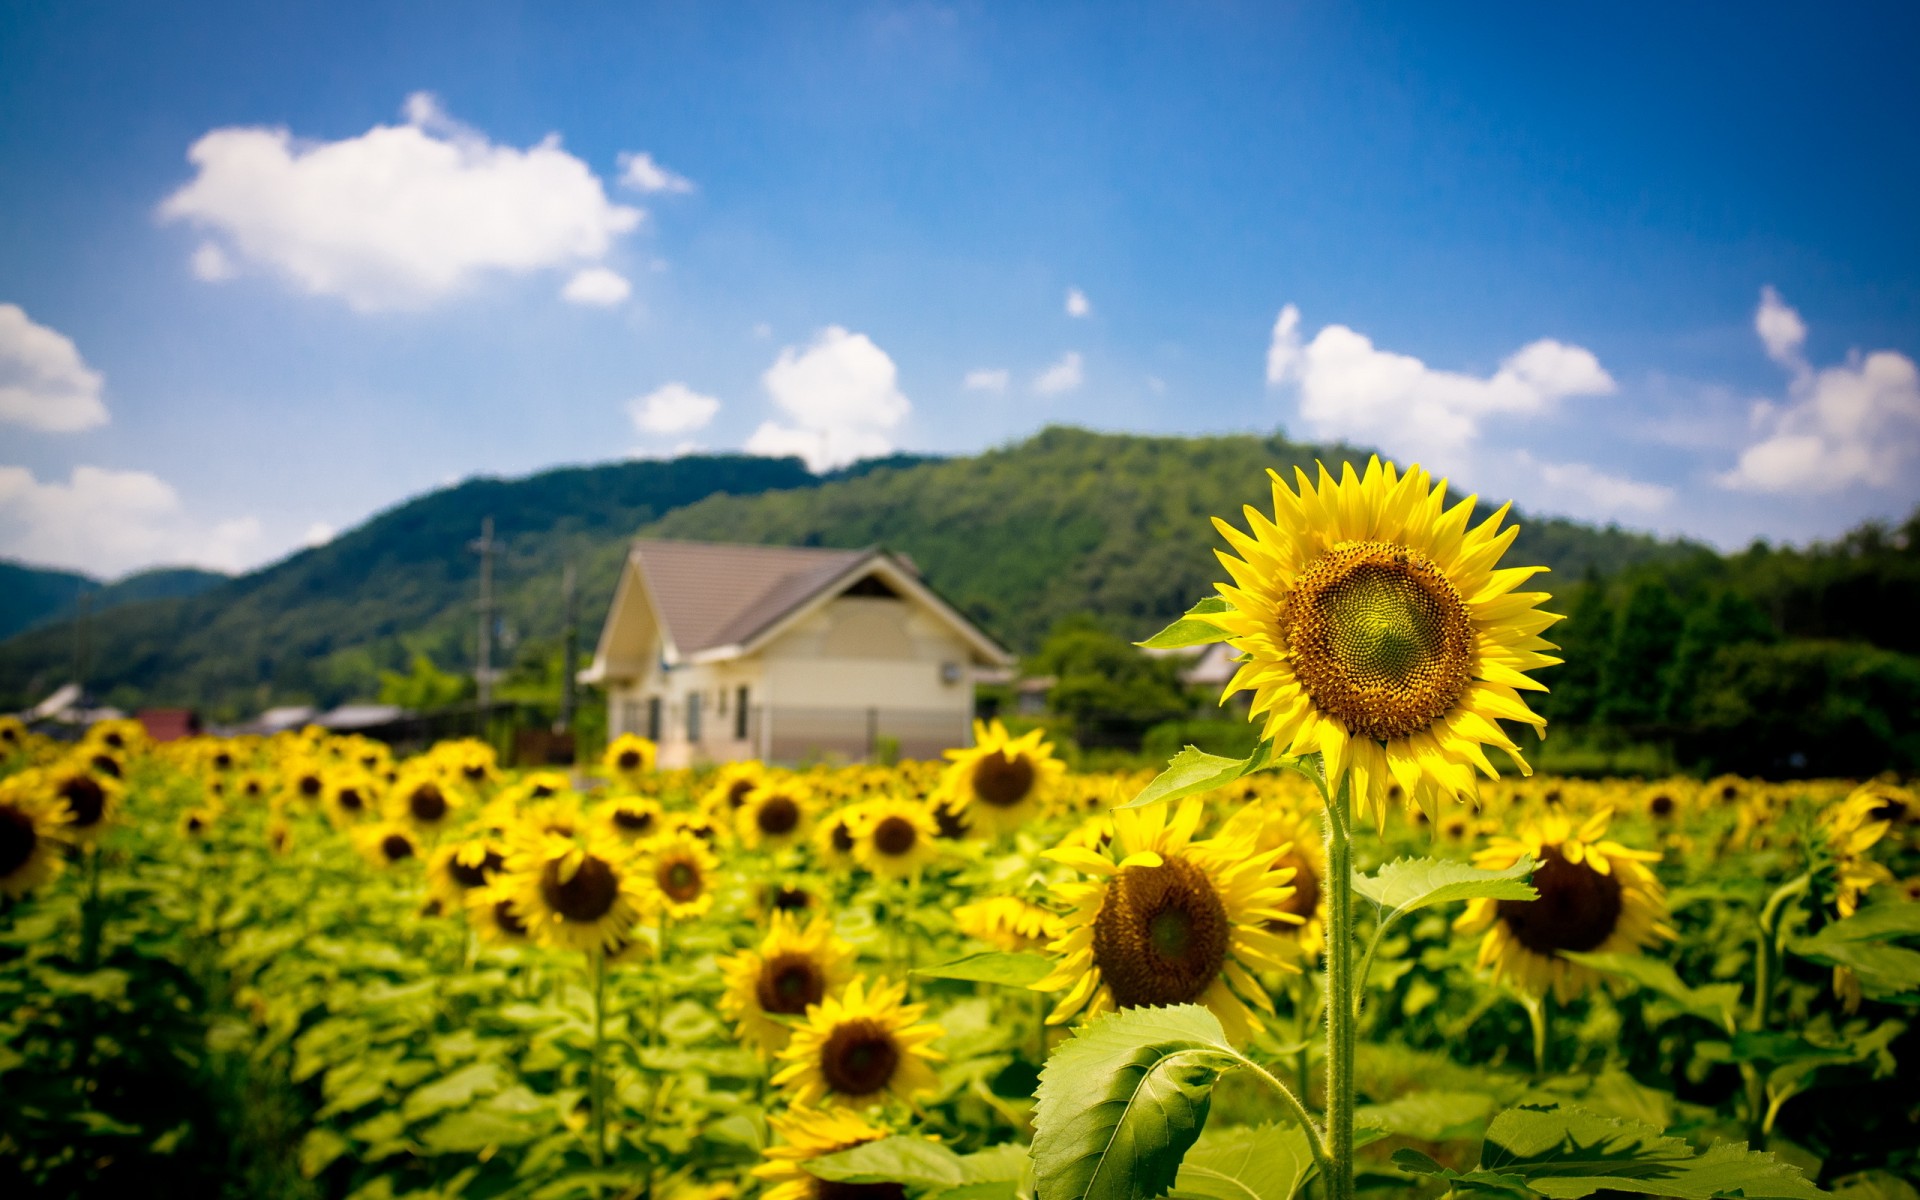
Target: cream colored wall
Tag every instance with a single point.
(867, 652)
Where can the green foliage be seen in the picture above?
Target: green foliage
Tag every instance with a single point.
(1407, 885)
(1645, 636)
(1192, 629)
(1808, 708)
(1244, 1162)
(1014, 970)
(424, 687)
(1565, 1152)
(1194, 771)
(1867, 944)
(1106, 688)
(1119, 1105)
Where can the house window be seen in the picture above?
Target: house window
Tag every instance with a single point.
(740, 715)
(653, 718)
(693, 716)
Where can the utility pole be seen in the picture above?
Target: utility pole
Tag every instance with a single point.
(569, 645)
(483, 668)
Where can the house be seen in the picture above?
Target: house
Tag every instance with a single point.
(722, 652)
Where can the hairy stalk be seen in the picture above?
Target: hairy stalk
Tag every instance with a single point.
(1316, 1142)
(1340, 991)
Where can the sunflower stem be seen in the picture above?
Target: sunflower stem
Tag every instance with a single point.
(1541, 1021)
(656, 1029)
(1316, 1141)
(597, 1082)
(1340, 991)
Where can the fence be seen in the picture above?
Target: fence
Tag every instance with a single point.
(800, 734)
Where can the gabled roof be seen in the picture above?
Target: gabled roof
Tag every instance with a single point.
(715, 600)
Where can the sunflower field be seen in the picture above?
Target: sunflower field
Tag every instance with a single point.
(1376, 956)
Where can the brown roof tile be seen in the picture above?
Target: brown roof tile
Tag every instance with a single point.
(711, 594)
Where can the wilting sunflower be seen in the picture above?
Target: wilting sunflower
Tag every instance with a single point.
(860, 1047)
(457, 869)
(580, 893)
(1167, 920)
(31, 824)
(91, 800)
(792, 970)
(630, 758)
(807, 1134)
(1374, 628)
(1006, 923)
(895, 838)
(678, 876)
(1850, 829)
(1001, 782)
(775, 814)
(631, 818)
(1596, 896)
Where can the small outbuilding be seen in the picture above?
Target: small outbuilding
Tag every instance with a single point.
(724, 652)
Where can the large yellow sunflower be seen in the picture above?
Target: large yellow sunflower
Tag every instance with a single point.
(30, 828)
(807, 1134)
(792, 970)
(860, 1047)
(1168, 920)
(1596, 896)
(1375, 627)
(577, 892)
(1282, 824)
(1001, 782)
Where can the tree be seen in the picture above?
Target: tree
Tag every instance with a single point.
(1645, 637)
(1105, 685)
(424, 687)
(1729, 619)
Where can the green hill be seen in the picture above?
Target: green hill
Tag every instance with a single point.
(31, 596)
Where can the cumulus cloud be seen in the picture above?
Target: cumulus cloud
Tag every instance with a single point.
(987, 379)
(642, 174)
(597, 287)
(396, 218)
(672, 408)
(1587, 491)
(318, 534)
(1856, 424)
(842, 397)
(44, 383)
(110, 522)
(210, 264)
(1077, 303)
(1063, 376)
(1349, 388)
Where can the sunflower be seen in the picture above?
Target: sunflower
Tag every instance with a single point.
(731, 784)
(92, 801)
(1850, 829)
(469, 759)
(792, 970)
(423, 800)
(13, 736)
(350, 796)
(121, 736)
(807, 1134)
(1666, 801)
(494, 916)
(860, 1047)
(386, 843)
(630, 758)
(679, 871)
(894, 838)
(198, 821)
(833, 839)
(581, 892)
(1596, 896)
(457, 869)
(1374, 628)
(1006, 923)
(1285, 827)
(31, 825)
(1001, 782)
(774, 815)
(304, 779)
(631, 818)
(1167, 920)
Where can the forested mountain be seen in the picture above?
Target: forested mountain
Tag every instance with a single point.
(31, 596)
(1107, 527)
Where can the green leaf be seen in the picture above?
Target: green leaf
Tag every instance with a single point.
(1409, 884)
(1014, 970)
(1119, 1105)
(1193, 771)
(1715, 1002)
(453, 1091)
(1007, 1162)
(916, 1162)
(318, 1150)
(1861, 944)
(1192, 629)
(1882, 922)
(471, 1132)
(1429, 1116)
(1565, 1152)
(1242, 1162)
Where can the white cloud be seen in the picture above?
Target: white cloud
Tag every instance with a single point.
(1063, 376)
(44, 383)
(1852, 425)
(987, 379)
(210, 264)
(597, 287)
(398, 217)
(642, 174)
(1077, 303)
(1590, 492)
(1348, 388)
(843, 397)
(318, 534)
(110, 522)
(672, 408)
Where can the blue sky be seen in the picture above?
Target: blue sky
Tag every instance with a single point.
(1642, 265)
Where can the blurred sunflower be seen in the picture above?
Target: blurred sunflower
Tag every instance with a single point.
(792, 970)
(92, 801)
(493, 915)
(423, 800)
(1850, 830)
(386, 843)
(894, 838)
(731, 784)
(13, 736)
(457, 869)
(631, 818)
(833, 839)
(121, 735)
(806, 1134)
(1286, 828)
(30, 835)
(630, 759)
(679, 876)
(350, 796)
(578, 893)
(860, 1047)
(1001, 782)
(1167, 920)
(1596, 896)
(1006, 923)
(303, 779)
(472, 760)
(774, 815)
(1375, 629)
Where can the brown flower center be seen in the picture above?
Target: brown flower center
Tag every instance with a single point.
(778, 816)
(1001, 781)
(835, 1189)
(427, 803)
(396, 847)
(859, 1058)
(788, 899)
(86, 800)
(1578, 908)
(18, 837)
(680, 880)
(633, 820)
(952, 825)
(508, 920)
(106, 764)
(473, 875)
(1161, 935)
(788, 983)
(309, 786)
(350, 799)
(895, 836)
(1379, 639)
(629, 760)
(1661, 806)
(585, 896)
